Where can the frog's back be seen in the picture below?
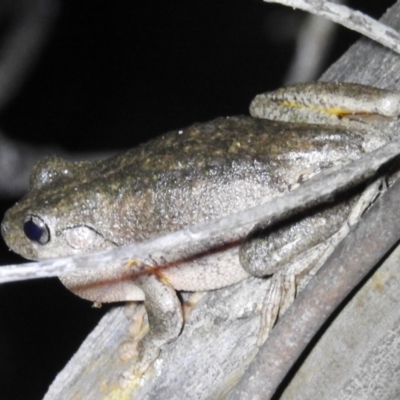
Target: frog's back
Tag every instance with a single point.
(229, 148)
(184, 177)
(210, 170)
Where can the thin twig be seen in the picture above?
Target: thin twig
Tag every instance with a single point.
(188, 242)
(349, 18)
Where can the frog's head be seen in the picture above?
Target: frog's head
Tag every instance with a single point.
(53, 219)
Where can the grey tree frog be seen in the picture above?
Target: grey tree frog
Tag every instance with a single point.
(200, 173)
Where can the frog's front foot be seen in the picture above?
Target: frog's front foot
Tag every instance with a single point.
(165, 318)
(147, 353)
(138, 329)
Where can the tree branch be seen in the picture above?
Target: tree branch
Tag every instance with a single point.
(349, 18)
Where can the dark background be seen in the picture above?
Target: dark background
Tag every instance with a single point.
(112, 75)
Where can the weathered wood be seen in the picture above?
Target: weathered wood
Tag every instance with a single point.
(359, 355)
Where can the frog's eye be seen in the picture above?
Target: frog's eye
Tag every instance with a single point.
(36, 230)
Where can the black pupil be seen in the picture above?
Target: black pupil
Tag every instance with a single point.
(33, 231)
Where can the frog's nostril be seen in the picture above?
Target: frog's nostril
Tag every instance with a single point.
(4, 227)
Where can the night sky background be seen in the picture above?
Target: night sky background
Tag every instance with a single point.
(114, 74)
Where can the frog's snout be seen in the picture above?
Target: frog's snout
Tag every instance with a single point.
(15, 238)
(5, 228)
(7, 231)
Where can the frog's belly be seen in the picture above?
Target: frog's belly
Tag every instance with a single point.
(208, 272)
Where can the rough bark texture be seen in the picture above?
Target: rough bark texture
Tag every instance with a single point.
(357, 357)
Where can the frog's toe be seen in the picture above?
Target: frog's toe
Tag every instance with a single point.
(128, 349)
(146, 352)
(138, 328)
(279, 297)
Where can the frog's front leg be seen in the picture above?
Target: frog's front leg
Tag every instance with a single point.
(165, 318)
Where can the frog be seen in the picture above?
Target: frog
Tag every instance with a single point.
(198, 174)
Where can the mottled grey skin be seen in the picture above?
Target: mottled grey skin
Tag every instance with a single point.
(185, 177)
